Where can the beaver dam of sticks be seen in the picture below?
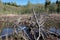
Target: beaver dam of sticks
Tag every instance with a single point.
(30, 27)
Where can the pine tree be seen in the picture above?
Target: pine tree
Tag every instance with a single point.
(47, 3)
(58, 6)
(0, 1)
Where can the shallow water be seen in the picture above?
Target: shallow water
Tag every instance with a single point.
(9, 31)
(54, 30)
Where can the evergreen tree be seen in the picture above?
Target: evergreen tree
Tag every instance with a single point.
(0, 1)
(47, 3)
(58, 6)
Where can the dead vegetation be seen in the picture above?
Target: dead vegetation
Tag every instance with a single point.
(26, 20)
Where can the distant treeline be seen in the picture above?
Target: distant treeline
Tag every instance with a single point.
(12, 4)
(52, 6)
(39, 8)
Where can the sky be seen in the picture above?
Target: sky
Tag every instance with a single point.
(24, 2)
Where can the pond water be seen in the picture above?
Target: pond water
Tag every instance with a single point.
(9, 31)
(54, 30)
